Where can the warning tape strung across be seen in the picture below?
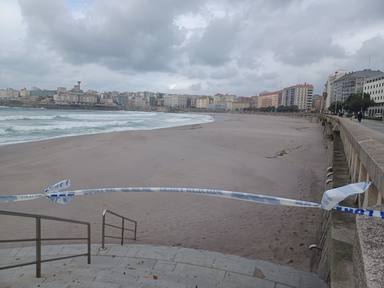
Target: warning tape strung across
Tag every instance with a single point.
(331, 198)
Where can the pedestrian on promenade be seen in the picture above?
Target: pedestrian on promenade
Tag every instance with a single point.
(359, 116)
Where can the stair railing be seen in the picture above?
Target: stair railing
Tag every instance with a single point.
(122, 228)
(39, 239)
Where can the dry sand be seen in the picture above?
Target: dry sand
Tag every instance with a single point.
(271, 155)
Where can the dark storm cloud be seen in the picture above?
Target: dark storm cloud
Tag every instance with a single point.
(137, 34)
(305, 32)
(370, 54)
(214, 48)
(241, 46)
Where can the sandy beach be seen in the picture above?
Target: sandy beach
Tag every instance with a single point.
(272, 155)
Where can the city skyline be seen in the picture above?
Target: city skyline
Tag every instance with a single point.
(199, 47)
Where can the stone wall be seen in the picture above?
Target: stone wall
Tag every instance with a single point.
(353, 249)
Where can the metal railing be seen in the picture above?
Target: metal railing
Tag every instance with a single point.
(38, 239)
(122, 227)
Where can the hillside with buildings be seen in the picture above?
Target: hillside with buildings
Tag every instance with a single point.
(298, 96)
(339, 86)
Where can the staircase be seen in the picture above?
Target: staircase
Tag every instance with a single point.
(147, 266)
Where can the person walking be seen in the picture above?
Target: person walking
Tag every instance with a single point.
(359, 116)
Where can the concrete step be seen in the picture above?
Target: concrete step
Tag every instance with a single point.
(149, 266)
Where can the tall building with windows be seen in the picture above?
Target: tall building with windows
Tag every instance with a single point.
(176, 101)
(203, 101)
(299, 95)
(374, 86)
(352, 83)
(288, 96)
(223, 100)
(269, 99)
(328, 87)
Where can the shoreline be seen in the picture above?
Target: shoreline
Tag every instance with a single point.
(237, 152)
(127, 129)
(99, 133)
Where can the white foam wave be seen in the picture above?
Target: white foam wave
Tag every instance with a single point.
(25, 125)
(20, 117)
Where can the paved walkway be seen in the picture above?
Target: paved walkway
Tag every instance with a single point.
(373, 124)
(147, 266)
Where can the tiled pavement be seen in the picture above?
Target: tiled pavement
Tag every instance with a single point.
(147, 266)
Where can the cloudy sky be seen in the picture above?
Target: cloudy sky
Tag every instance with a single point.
(195, 46)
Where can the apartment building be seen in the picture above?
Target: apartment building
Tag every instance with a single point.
(374, 86)
(328, 87)
(299, 95)
(352, 83)
(269, 99)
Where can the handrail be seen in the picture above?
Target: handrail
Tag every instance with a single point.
(38, 239)
(122, 227)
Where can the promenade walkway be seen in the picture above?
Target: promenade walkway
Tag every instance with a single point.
(148, 266)
(372, 124)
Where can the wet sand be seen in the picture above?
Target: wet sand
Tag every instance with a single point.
(273, 155)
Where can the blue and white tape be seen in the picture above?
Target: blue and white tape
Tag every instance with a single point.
(331, 198)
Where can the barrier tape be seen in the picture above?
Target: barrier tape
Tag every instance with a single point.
(330, 200)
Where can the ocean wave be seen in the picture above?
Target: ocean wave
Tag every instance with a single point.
(66, 126)
(21, 117)
(107, 117)
(25, 125)
(69, 117)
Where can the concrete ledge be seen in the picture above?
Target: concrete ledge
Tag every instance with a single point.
(369, 144)
(364, 149)
(369, 242)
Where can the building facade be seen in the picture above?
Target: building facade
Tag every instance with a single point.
(299, 95)
(223, 100)
(269, 99)
(352, 83)
(203, 102)
(176, 101)
(9, 93)
(374, 86)
(68, 97)
(317, 102)
(328, 87)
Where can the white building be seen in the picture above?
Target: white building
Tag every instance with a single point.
(328, 88)
(9, 93)
(24, 92)
(176, 101)
(374, 86)
(299, 95)
(203, 102)
(66, 98)
(223, 100)
(89, 98)
(141, 101)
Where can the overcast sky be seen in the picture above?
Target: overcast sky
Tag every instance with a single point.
(195, 46)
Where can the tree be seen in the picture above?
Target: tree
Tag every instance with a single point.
(335, 106)
(267, 109)
(358, 102)
(292, 108)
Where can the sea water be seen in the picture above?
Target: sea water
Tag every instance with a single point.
(31, 124)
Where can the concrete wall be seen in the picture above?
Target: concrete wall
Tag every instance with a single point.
(354, 248)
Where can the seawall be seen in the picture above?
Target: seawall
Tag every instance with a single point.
(352, 253)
